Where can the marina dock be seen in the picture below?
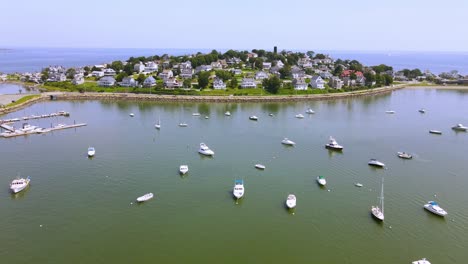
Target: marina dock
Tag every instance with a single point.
(36, 130)
(59, 113)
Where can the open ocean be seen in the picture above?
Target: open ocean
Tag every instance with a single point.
(34, 59)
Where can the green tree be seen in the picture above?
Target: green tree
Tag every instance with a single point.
(370, 78)
(387, 79)
(223, 75)
(272, 84)
(203, 79)
(320, 56)
(259, 63)
(187, 83)
(117, 66)
(338, 70)
(141, 78)
(44, 75)
(234, 83)
(285, 71)
(70, 73)
(128, 68)
(310, 54)
(120, 76)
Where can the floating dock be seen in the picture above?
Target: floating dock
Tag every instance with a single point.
(59, 113)
(37, 130)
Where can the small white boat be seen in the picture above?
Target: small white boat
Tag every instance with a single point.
(390, 112)
(299, 116)
(19, 184)
(207, 117)
(437, 132)
(28, 128)
(291, 201)
(332, 144)
(227, 113)
(132, 114)
(422, 111)
(270, 114)
(421, 261)
(288, 142)
(404, 155)
(460, 127)
(321, 180)
(378, 212)
(183, 124)
(238, 190)
(434, 207)
(91, 152)
(183, 169)
(205, 150)
(260, 166)
(357, 184)
(196, 114)
(376, 163)
(145, 197)
(158, 125)
(310, 111)
(254, 118)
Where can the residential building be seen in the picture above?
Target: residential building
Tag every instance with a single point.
(106, 81)
(361, 81)
(299, 84)
(128, 82)
(78, 79)
(248, 83)
(233, 61)
(172, 83)
(252, 55)
(109, 72)
(216, 65)
(348, 73)
(261, 75)
(149, 82)
(139, 67)
(218, 84)
(335, 82)
(186, 73)
(266, 65)
(203, 68)
(3, 77)
(97, 74)
(297, 72)
(151, 67)
(165, 74)
(317, 82)
(280, 64)
(326, 75)
(236, 71)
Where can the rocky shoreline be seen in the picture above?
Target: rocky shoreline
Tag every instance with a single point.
(187, 98)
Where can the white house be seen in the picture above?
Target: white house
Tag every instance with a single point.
(219, 84)
(236, 71)
(317, 82)
(335, 82)
(109, 72)
(172, 83)
(97, 74)
(248, 83)
(106, 81)
(3, 77)
(186, 73)
(261, 75)
(280, 64)
(78, 79)
(266, 65)
(128, 82)
(151, 66)
(149, 82)
(299, 84)
(166, 74)
(139, 67)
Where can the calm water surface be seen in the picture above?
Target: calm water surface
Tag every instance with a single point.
(80, 210)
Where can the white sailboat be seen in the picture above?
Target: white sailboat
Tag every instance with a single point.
(158, 125)
(378, 212)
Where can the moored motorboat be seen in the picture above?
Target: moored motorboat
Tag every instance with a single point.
(158, 125)
(132, 114)
(183, 169)
(260, 166)
(238, 190)
(460, 127)
(19, 184)
(421, 261)
(390, 112)
(310, 111)
(437, 132)
(404, 155)
(183, 124)
(299, 116)
(91, 152)
(254, 118)
(291, 201)
(205, 150)
(376, 163)
(333, 145)
(288, 142)
(227, 113)
(357, 184)
(434, 208)
(145, 197)
(422, 111)
(196, 114)
(321, 180)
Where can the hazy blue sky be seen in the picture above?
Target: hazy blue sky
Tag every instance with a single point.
(428, 25)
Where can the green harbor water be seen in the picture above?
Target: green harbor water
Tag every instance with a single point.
(81, 210)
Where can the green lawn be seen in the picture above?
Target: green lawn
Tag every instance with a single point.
(23, 99)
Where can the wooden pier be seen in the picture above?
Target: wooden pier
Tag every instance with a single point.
(16, 133)
(59, 113)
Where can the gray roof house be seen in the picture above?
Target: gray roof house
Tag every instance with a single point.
(172, 83)
(317, 82)
(166, 74)
(186, 73)
(335, 82)
(106, 81)
(128, 82)
(218, 84)
(297, 72)
(299, 84)
(248, 83)
(149, 82)
(78, 79)
(261, 75)
(139, 67)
